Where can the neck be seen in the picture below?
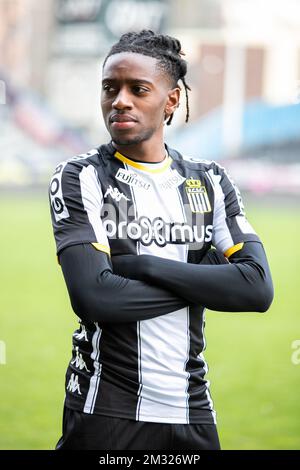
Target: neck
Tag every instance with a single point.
(148, 151)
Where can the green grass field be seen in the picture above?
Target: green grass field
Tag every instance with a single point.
(255, 385)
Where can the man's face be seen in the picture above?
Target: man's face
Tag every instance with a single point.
(136, 97)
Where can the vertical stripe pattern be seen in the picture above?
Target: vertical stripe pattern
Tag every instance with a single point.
(163, 341)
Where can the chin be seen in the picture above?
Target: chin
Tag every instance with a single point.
(132, 140)
(127, 140)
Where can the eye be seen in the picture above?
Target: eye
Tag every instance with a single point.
(138, 89)
(108, 88)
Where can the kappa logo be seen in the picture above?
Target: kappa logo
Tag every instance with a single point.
(73, 385)
(115, 194)
(197, 196)
(132, 179)
(79, 361)
(81, 334)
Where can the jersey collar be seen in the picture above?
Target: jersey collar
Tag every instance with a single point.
(144, 167)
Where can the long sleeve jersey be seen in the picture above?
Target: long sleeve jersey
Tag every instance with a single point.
(138, 352)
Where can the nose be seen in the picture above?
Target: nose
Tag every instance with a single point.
(122, 100)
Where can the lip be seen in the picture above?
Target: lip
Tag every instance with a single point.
(122, 121)
(123, 124)
(122, 118)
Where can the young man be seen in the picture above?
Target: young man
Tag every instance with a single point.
(134, 222)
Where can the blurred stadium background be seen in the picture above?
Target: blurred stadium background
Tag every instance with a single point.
(244, 71)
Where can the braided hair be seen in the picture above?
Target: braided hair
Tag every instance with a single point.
(167, 51)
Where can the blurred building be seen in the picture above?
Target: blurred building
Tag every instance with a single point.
(25, 27)
(240, 51)
(244, 71)
(237, 50)
(82, 35)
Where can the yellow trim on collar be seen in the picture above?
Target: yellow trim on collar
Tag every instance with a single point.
(140, 166)
(233, 249)
(103, 248)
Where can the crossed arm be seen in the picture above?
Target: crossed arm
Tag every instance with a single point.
(99, 295)
(243, 284)
(134, 288)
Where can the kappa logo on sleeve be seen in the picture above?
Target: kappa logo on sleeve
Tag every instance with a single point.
(197, 196)
(82, 334)
(79, 361)
(74, 385)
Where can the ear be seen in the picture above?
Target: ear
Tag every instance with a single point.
(172, 101)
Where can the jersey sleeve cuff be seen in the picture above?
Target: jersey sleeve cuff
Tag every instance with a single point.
(233, 249)
(101, 247)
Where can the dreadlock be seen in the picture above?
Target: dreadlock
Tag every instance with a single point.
(166, 49)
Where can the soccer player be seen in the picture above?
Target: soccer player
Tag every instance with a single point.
(134, 223)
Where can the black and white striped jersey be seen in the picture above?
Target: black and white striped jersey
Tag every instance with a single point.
(150, 370)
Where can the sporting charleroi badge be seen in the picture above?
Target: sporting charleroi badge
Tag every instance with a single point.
(197, 196)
